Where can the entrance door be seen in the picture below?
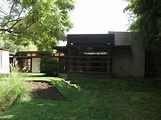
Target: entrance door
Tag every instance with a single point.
(25, 65)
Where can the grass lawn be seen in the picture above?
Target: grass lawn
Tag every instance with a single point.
(93, 99)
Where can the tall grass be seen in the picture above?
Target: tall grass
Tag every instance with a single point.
(13, 88)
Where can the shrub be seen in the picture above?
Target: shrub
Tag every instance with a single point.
(49, 65)
(13, 88)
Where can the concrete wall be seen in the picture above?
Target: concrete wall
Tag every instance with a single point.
(128, 62)
(4, 61)
(35, 65)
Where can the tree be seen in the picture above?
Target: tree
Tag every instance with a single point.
(7, 43)
(148, 23)
(43, 22)
(49, 65)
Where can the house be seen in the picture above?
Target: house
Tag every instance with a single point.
(29, 61)
(4, 61)
(118, 54)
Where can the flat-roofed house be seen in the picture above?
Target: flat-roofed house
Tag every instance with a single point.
(103, 55)
(29, 61)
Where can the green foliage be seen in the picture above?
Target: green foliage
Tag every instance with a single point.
(1, 42)
(7, 43)
(44, 22)
(148, 18)
(12, 89)
(148, 23)
(49, 65)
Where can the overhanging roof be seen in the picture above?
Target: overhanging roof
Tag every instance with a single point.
(62, 49)
(90, 39)
(122, 47)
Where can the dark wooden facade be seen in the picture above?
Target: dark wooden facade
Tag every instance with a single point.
(25, 59)
(88, 55)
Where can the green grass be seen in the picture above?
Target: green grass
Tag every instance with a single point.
(94, 99)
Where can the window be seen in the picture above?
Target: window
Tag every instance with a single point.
(90, 59)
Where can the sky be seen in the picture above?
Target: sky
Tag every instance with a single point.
(98, 16)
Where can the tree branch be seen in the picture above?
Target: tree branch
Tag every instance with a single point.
(1, 11)
(10, 11)
(9, 31)
(4, 24)
(20, 12)
(15, 24)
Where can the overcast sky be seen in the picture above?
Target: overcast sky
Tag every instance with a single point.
(98, 16)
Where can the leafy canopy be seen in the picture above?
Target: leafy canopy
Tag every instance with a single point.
(148, 23)
(42, 22)
(148, 17)
(7, 43)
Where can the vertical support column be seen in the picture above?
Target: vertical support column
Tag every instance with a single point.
(109, 59)
(69, 59)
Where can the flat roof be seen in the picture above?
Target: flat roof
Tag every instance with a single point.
(4, 49)
(90, 35)
(90, 39)
(31, 52)
(63, 49)
(122, 47)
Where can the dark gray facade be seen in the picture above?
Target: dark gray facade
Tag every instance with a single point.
(128, 62)
(104, 55)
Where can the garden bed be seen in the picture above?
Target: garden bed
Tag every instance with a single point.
(45, 90)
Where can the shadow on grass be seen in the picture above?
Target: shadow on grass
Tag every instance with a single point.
(39, 109)
(33, 110)
(97, 99)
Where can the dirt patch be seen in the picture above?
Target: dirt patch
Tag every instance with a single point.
(45, 90)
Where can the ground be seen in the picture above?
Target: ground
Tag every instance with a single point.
(45, 90)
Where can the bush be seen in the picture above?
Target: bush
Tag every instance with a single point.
(13, 88)
(49, 65)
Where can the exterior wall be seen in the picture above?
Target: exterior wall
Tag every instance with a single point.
(121, 62)
(89, 55)
(128, 61)
(36, 65)
(4, 61)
